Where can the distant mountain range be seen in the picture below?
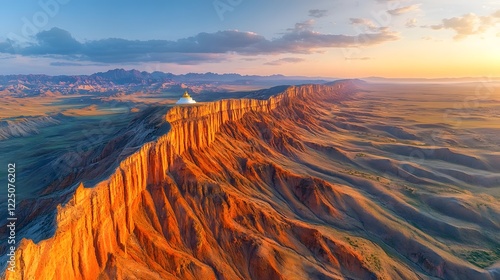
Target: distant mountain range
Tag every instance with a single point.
(129, 81)
(120, 80)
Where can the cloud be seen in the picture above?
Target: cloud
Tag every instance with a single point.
(411, 23)
(55, 41)
(468, 24)
(250, 59)
(203, 47)
(60, 63)
(285, 60)
(370, 25)
(7, 56)
(7, 47)
(302, 26)
(404, 10)
(66, 63)
(429, 38)
(318, 13)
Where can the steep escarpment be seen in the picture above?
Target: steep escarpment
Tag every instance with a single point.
(78, 152)
(237, 190)
(97, 222)
(195, 126)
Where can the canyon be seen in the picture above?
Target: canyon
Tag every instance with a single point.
(290, 186)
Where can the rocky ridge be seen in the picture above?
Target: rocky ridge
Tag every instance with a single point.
(206, 201)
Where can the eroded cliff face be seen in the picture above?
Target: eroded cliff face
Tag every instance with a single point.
(93, 228)
(222, 197)
(196, 126)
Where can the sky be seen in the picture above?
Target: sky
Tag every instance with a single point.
(315, 38)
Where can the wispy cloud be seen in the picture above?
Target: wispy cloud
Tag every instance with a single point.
(468, 24)
(318, 13)
(404, 10)
(367, 23)
(61, 63)
(285, 61)
(302, 26)
(66, 63)
(203, 47)
(411, 23)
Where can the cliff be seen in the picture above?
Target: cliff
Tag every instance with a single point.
(217, 198)
(194, 127)
(97, 222)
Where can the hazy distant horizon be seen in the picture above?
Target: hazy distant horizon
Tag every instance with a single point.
(372, 78)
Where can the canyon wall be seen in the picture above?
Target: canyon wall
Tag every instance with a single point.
(252, 189)
(94, 226)
(195, 126)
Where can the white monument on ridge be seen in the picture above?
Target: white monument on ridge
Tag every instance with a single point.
(185, 99)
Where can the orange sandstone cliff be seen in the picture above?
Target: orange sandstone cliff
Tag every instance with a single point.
(223, 196)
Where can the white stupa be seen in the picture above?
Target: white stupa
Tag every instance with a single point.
(185, 99)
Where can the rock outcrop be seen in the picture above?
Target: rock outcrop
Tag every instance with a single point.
(218, 197)
(97, 222)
